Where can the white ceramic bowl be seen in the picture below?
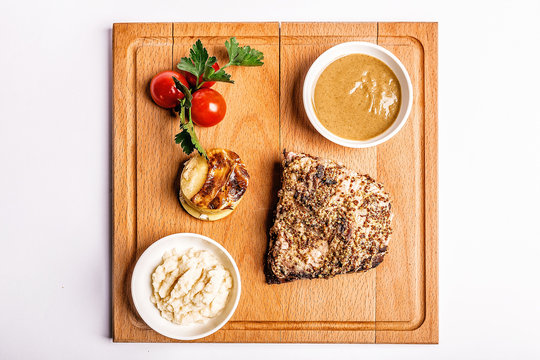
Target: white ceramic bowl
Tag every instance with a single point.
(358, 47)
(141, 287)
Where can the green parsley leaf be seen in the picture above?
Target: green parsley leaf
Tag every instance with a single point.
(211, 75)
(184, 139)
(198, 60)
(187, 65)
(211, 61)
(243, 56)
(187, 138)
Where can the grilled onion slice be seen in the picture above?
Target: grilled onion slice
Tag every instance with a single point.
(211, 190)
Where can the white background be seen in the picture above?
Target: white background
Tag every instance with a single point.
(55, 67)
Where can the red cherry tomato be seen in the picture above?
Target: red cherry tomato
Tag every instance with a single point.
(208, 107)
(163, 90)
(192, 79)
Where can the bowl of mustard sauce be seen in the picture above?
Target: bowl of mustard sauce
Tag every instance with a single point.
(357, 94)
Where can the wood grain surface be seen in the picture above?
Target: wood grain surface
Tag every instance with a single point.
(395, 303)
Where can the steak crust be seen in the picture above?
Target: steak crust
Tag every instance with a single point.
(329, 220)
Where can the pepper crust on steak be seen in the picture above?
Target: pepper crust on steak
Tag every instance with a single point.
(329, 220)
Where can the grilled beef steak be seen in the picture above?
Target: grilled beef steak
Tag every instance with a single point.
(329, 221)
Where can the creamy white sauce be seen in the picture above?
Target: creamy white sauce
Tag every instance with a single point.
(191, 286)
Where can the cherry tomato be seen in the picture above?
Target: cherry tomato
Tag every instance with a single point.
(192, 79)
(208, 107)
(163, 90)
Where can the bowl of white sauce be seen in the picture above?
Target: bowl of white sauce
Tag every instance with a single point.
(186, 286)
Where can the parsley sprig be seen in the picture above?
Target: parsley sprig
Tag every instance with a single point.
(199, 63)
(187, 137)
(242, 56)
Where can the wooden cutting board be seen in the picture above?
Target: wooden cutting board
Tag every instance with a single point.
(395, 303)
